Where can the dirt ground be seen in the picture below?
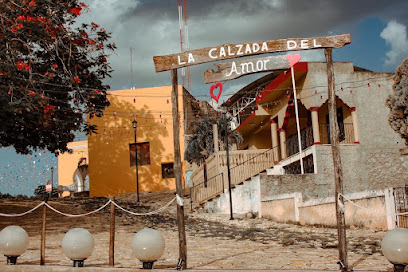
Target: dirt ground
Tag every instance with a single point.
(213, 241)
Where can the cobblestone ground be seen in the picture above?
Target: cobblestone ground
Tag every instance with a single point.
(213, 241)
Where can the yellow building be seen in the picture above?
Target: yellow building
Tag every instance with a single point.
(112, 169)
(68, 163)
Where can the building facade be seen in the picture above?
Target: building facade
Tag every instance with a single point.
(369, 148)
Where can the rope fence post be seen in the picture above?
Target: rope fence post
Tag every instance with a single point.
(191, 199)
(44, 218)
(112, 234)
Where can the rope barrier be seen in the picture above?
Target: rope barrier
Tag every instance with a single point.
(77, 215)
(24, 213)
(95, 211)
(149, 213)
(366, 209)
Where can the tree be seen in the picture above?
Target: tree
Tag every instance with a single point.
(398, 102)
(200, 145)
(51, 73)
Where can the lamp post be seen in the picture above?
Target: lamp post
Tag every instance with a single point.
(134, 122)
(228, 165)
(394, 247)
(52, 180)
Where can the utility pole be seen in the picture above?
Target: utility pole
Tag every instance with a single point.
(338, 171)
(177, 171)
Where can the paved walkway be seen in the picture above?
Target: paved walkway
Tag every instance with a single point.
(214, 242)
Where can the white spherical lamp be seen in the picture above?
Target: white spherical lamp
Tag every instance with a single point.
(394, 247)
(78, 245)
(13, 243)
(148, 246)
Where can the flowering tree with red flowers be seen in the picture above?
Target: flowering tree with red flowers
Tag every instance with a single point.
(51, 73)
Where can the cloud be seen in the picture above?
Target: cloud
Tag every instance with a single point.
(395, 36)
(151, 28)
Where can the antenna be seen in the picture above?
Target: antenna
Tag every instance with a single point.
(187, 45)
(131, 69)
(181, 25)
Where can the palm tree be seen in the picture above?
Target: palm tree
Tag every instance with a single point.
(200, 145)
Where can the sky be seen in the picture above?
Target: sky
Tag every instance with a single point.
(378, 32)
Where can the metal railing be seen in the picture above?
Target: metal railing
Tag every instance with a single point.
(306, 137)
(401, 205)
(242, 167)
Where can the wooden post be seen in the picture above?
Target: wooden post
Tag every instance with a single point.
(338, 171)
(177, 170)
(112, 235)
(44, 217)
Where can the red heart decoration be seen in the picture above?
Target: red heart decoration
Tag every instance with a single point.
(293, 59)
(219, 84)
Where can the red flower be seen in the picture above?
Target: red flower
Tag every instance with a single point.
(91, 42)
(32, 3)
(96, 91)
(55, 66)
(76, 10)
(94, 25)
(21, 17)
(22, 65)
(76, 79)
(31, 19)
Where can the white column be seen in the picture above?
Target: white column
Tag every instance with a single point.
(275, 142)
(355, 126)
(282, 137)
(315, 125)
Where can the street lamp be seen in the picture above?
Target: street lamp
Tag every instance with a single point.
(13, 243)
(78, 245)
(394, 246)
(148, 246)
(134, 122)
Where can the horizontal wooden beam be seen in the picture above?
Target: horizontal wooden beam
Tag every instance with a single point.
(238, 68)
(230, 51)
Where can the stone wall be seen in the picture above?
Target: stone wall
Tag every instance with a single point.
(245, 199)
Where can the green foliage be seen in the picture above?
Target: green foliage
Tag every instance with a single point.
(51, 73)
(200, 145)
(398, 102)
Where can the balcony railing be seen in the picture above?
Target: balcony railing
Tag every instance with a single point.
(346, 135)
